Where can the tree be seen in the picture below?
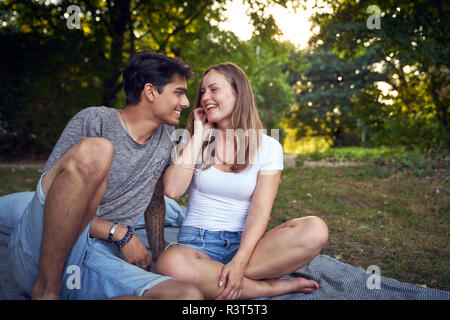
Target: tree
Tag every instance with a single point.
(44, 82)
(412, 42)
(327, 87)
(116, 27)
(75, 68)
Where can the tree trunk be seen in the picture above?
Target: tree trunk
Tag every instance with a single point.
(120, 18)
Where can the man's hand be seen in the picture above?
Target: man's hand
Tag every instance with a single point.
(133, 252)
(136, 253)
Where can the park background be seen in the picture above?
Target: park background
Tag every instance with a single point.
(358, 89)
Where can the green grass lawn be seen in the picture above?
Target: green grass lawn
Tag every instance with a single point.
(393, 213)
(398, 222)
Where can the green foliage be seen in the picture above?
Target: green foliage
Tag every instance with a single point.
(409, 119)
(39, 93)
(412, 46)
(327, 87)
(383, 161)
(355, 154)
(50, 72)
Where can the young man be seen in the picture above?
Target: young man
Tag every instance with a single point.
(96, 185)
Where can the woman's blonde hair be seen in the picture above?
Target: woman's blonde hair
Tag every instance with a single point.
(244, 118)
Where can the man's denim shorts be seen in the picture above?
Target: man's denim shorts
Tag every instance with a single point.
(220, 246)
(94, 268)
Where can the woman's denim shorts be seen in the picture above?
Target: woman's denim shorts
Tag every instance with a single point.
(220, 246)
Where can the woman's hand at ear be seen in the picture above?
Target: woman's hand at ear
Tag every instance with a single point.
(201, 124)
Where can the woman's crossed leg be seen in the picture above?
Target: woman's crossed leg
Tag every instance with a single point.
(281, 251)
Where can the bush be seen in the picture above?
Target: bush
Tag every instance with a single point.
(393, 159)
(43, 83)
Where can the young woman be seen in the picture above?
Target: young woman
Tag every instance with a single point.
(223, 247)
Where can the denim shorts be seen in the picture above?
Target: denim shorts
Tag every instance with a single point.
(94, 268)
(220, 246)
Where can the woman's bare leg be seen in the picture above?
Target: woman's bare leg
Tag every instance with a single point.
(281, 251)
(168, 290)
(193, 266)
(287, 247)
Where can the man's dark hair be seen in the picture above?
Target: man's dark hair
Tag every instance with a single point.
(148, 67)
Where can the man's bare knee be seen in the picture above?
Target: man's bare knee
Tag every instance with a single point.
(94, 156)
(90, 158)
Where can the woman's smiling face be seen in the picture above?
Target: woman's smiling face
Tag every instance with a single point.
(218, 98)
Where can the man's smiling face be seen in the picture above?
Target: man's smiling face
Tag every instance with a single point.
(170, 102)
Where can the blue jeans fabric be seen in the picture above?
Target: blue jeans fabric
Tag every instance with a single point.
(94, 268)
(12, 207)
(220, 246)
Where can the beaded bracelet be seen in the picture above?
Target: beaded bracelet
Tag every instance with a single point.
(126, 238)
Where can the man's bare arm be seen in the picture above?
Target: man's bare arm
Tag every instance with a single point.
(155, 217)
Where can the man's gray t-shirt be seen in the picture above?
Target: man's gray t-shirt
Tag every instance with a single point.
(135, 167)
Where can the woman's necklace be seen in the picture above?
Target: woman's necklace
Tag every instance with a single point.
(124, 122)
